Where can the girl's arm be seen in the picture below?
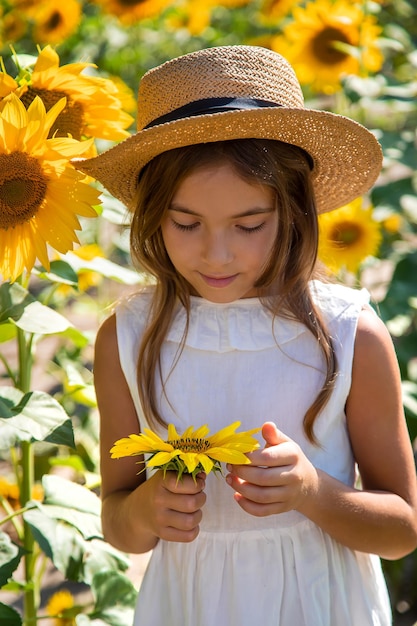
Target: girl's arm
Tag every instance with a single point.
(381, 517)
(136, 512)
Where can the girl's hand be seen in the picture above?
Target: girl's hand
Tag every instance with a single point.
(173, 507)
(279, 479)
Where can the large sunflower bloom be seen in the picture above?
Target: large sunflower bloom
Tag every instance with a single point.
(94, 104)
(328, 40)
(348, 236)
(41, 193)
(191, 452)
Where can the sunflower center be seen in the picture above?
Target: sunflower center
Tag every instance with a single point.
(346, 234)
(54, 21)
(23, 187)
(324, 46)
(69, 121)
(189, 444)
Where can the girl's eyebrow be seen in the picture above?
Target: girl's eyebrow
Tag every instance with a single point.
(252, 211)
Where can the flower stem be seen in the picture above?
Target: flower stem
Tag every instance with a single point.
(27, 465)
(30, 597)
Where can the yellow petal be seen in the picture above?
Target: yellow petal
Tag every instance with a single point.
(161, 458)
(172, 433)
(190, 460)
(206, 462)
(228, 456)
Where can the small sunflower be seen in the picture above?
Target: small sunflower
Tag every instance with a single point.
(274, 10)
(196, 14)
(59, 607)
(130, 11)
(93, 104)
(328, 40)
(348, 236)
(41, 193)
(192, 452)
(14, 26)
(10, 491)
(55, 22)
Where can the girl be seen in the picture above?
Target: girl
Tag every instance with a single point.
(225, 178)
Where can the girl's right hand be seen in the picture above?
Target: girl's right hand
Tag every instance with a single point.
(174, 506)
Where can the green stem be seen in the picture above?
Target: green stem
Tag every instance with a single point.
(30, 597)
(25, 357)
(30, 602)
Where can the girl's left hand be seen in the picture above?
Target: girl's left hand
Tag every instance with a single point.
(279, 479)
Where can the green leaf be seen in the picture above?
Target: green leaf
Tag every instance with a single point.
(63, 544)
(13, 300)
(402, 290)
(7, 331)
(102, 557)
(115, 598)
(10, 555)
(389, 195)
(60, 272)
(82, 620)
(87, 525)
(78, 337)
(66, 493)
(34, 416)
(74, 461)
(105, 268)
(77, 558)
(40, 319)
(9, 617)
(113, 589)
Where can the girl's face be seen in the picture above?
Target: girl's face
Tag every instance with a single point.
(219, 232)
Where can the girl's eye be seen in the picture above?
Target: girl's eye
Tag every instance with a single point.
(185, 227)
(251, 229)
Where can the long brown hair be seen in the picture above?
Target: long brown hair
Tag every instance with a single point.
(283, 285)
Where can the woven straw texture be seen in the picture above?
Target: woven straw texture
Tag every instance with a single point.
(347, 158)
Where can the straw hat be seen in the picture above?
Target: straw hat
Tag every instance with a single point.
(236, 92)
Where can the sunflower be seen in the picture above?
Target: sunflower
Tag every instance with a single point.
(196, 14)
(191, 452)
(59, 606)
(14, 26)
(55, 22)
(348, 236)
(130, 11)
(274, 10)
(10, 491)
(41, 193)
(328, 40)
(94, 104)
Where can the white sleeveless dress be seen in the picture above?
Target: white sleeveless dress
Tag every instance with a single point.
(280, 570)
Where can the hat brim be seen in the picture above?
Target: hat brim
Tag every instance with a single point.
(347, 157)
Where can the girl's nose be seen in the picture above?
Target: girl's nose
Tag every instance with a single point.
(217, 249)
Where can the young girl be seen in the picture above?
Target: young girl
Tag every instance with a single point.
(225, 178)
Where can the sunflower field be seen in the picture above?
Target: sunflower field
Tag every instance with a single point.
(69, 73)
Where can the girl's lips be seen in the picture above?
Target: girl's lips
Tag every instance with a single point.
(218, 281)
